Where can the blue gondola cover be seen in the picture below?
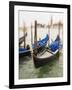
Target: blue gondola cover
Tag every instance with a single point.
(42, 42)
(57, 44)
(22, 49)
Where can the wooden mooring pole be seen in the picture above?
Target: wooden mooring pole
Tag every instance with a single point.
(35, 38)
(24, 37)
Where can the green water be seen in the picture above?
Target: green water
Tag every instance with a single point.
(52, 69)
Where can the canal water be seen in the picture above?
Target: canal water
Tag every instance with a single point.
(27, 69)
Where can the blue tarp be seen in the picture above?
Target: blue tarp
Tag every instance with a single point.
(41, 42)
(22, 49)
(56, 44)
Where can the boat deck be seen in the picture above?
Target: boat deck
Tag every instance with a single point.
(45, 54)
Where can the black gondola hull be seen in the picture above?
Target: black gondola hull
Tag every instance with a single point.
(38, 62)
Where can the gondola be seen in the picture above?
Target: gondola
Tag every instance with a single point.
(24, 51)
(40, 47)
(51, 53)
